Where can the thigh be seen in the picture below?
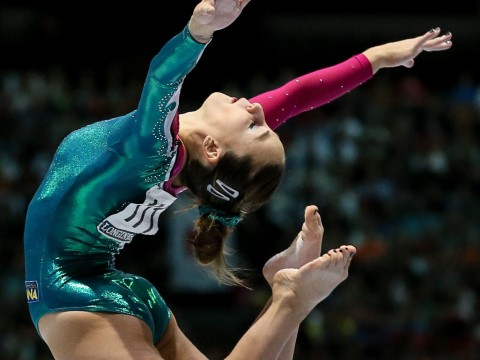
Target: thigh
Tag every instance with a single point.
(81, 335)
(174, 345)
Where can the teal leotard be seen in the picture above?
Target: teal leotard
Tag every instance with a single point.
(107, 183)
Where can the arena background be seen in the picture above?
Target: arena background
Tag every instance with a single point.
(394, 166)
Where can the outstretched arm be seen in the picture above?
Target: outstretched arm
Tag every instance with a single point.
(320, 87)
(403, 52)
(157, 110)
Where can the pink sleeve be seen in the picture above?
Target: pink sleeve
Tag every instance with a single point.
(312, 90)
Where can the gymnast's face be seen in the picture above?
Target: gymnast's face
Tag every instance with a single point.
(240, 126)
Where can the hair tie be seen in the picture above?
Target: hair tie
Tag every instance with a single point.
(221, 216)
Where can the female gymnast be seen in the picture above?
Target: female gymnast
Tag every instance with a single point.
(111, 180)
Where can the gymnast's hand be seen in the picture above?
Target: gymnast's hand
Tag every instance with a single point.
(211, 15)
(403, 52)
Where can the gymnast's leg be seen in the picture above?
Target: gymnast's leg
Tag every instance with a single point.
(81, 335)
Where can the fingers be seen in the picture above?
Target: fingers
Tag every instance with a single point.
(432, 33)
(431, 41)
(204, 11)
(239, 4)
(439, 44)
(207, 9)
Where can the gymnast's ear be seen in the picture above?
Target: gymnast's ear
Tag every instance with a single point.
(211, 150)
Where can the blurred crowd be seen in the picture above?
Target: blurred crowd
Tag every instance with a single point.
(394, 167)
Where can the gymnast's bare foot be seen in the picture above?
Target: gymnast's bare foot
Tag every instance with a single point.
(305, 248)
(314, 281)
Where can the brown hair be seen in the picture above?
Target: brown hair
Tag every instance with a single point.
(234, 188)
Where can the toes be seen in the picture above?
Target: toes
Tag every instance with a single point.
(341, 256)
(313, 222)
(335, 255)
(348, 251)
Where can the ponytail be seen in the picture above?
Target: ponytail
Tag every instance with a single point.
(224, 195)
(208, 242)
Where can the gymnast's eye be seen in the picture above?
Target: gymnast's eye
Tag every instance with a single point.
(252, 125)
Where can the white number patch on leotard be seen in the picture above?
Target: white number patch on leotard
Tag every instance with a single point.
(137, 218)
